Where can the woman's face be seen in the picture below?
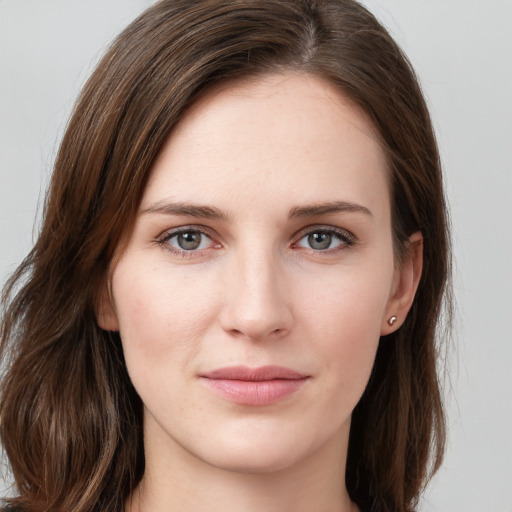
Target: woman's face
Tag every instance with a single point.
(259, 276)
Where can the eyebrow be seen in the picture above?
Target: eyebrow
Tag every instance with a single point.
(185, 209)
(327, 208)
(211, 212)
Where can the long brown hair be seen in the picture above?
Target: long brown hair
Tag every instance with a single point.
(70, 420)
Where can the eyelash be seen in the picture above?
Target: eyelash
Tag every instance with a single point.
(163, 240)
(346, 238)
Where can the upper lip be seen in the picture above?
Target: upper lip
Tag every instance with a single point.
(261, 373)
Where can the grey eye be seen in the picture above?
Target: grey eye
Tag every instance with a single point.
(191, 240)
(324, 239)
(320, 240)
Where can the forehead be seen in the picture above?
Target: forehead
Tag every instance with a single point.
(289, 137)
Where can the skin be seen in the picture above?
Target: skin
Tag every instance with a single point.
(258, 290)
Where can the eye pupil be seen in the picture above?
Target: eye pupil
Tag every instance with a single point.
(189, 240)
(319, 240)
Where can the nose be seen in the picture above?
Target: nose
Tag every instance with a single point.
(257, 303)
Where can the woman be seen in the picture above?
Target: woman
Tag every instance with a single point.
(233, 300)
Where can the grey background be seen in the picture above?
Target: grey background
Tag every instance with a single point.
(462, 51)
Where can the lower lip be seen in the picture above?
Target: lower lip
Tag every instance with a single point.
(263, 392)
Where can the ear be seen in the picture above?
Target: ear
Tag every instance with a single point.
(105, 312)
(406, 280)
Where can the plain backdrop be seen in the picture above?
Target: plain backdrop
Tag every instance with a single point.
(462, 52)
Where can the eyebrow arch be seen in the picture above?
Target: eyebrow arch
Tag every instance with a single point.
(327, 208)
(185, 209)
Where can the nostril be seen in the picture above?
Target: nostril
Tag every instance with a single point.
(255, 334)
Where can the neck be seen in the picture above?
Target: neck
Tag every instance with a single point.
(175, 480)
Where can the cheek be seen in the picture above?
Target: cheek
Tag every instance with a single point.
(345, 322)
(348, 305)
(162, 318)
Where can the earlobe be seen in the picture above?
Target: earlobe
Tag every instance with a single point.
(105, 312)
(405, 285)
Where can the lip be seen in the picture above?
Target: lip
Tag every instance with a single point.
(254, 386)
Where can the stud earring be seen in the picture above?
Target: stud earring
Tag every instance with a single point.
(392, 320)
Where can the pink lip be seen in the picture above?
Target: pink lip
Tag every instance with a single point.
(254, 386)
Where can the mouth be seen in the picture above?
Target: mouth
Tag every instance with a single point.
(254, 386)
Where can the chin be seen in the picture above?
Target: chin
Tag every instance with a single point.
(264, 449)
(258, 460)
